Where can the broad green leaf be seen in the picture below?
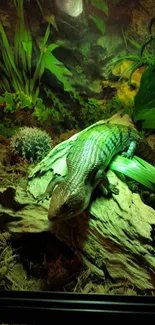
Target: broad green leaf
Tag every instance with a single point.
(100, 4)
(25, 100)
(99, 23)
(59, 70)
(145, 99)
(145, 113)
(8, 98)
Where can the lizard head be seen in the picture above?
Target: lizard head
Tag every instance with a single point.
(66, 203)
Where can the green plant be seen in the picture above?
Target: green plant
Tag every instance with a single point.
(15, 101)
(101, 5)
(6, 131)
(90, 112)
(115, 105)
(31, 143)
(136, 169)
(57, 110)
(17, 75)
(16, 68)
(144, 57)
(145, 100)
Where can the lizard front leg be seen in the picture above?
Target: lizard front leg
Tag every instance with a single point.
(54, 181)
(100, 179)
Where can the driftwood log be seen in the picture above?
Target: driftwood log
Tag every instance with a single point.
(114, 237)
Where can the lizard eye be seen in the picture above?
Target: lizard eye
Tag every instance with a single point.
(64, 206)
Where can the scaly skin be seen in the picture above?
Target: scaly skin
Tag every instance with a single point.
(87, 159)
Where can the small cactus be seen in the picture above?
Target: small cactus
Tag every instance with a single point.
(31, 143)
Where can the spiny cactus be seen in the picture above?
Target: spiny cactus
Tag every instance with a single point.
(31, 143)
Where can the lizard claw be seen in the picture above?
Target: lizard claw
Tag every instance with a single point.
(113, 189)
(108, 191)
(42, 197)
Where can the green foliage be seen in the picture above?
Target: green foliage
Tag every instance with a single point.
(90, 112)
(31, 143)
(5, 131)
(145, 100)
(58, 111)
(15, 101)
(136, 169)
(101, 5)
(49, 18)
(99, 23)
(79, 112)
(41, 111)
(61, 111)
(116, 105)
(16, 68)
(17, 75)
(143, 57)
(60, 71)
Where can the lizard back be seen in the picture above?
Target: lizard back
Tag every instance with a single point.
(97, 146)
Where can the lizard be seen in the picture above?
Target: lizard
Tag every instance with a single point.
(87, 160)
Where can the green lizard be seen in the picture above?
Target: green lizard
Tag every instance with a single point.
(86, 161)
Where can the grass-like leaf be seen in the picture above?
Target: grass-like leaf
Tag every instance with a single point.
(7, 54)
(137, 169)
(126, 57)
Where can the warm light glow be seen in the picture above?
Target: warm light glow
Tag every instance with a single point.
(71, 7)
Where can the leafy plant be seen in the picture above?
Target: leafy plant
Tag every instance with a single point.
(99, 23)
(49, 18)
(57, 109)
(16, 69)
(90, 112)
(145, 100)
(116, 105)
(14, 101)
(60, 71)
(144, 57)
(101, 5)
(6, 131)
